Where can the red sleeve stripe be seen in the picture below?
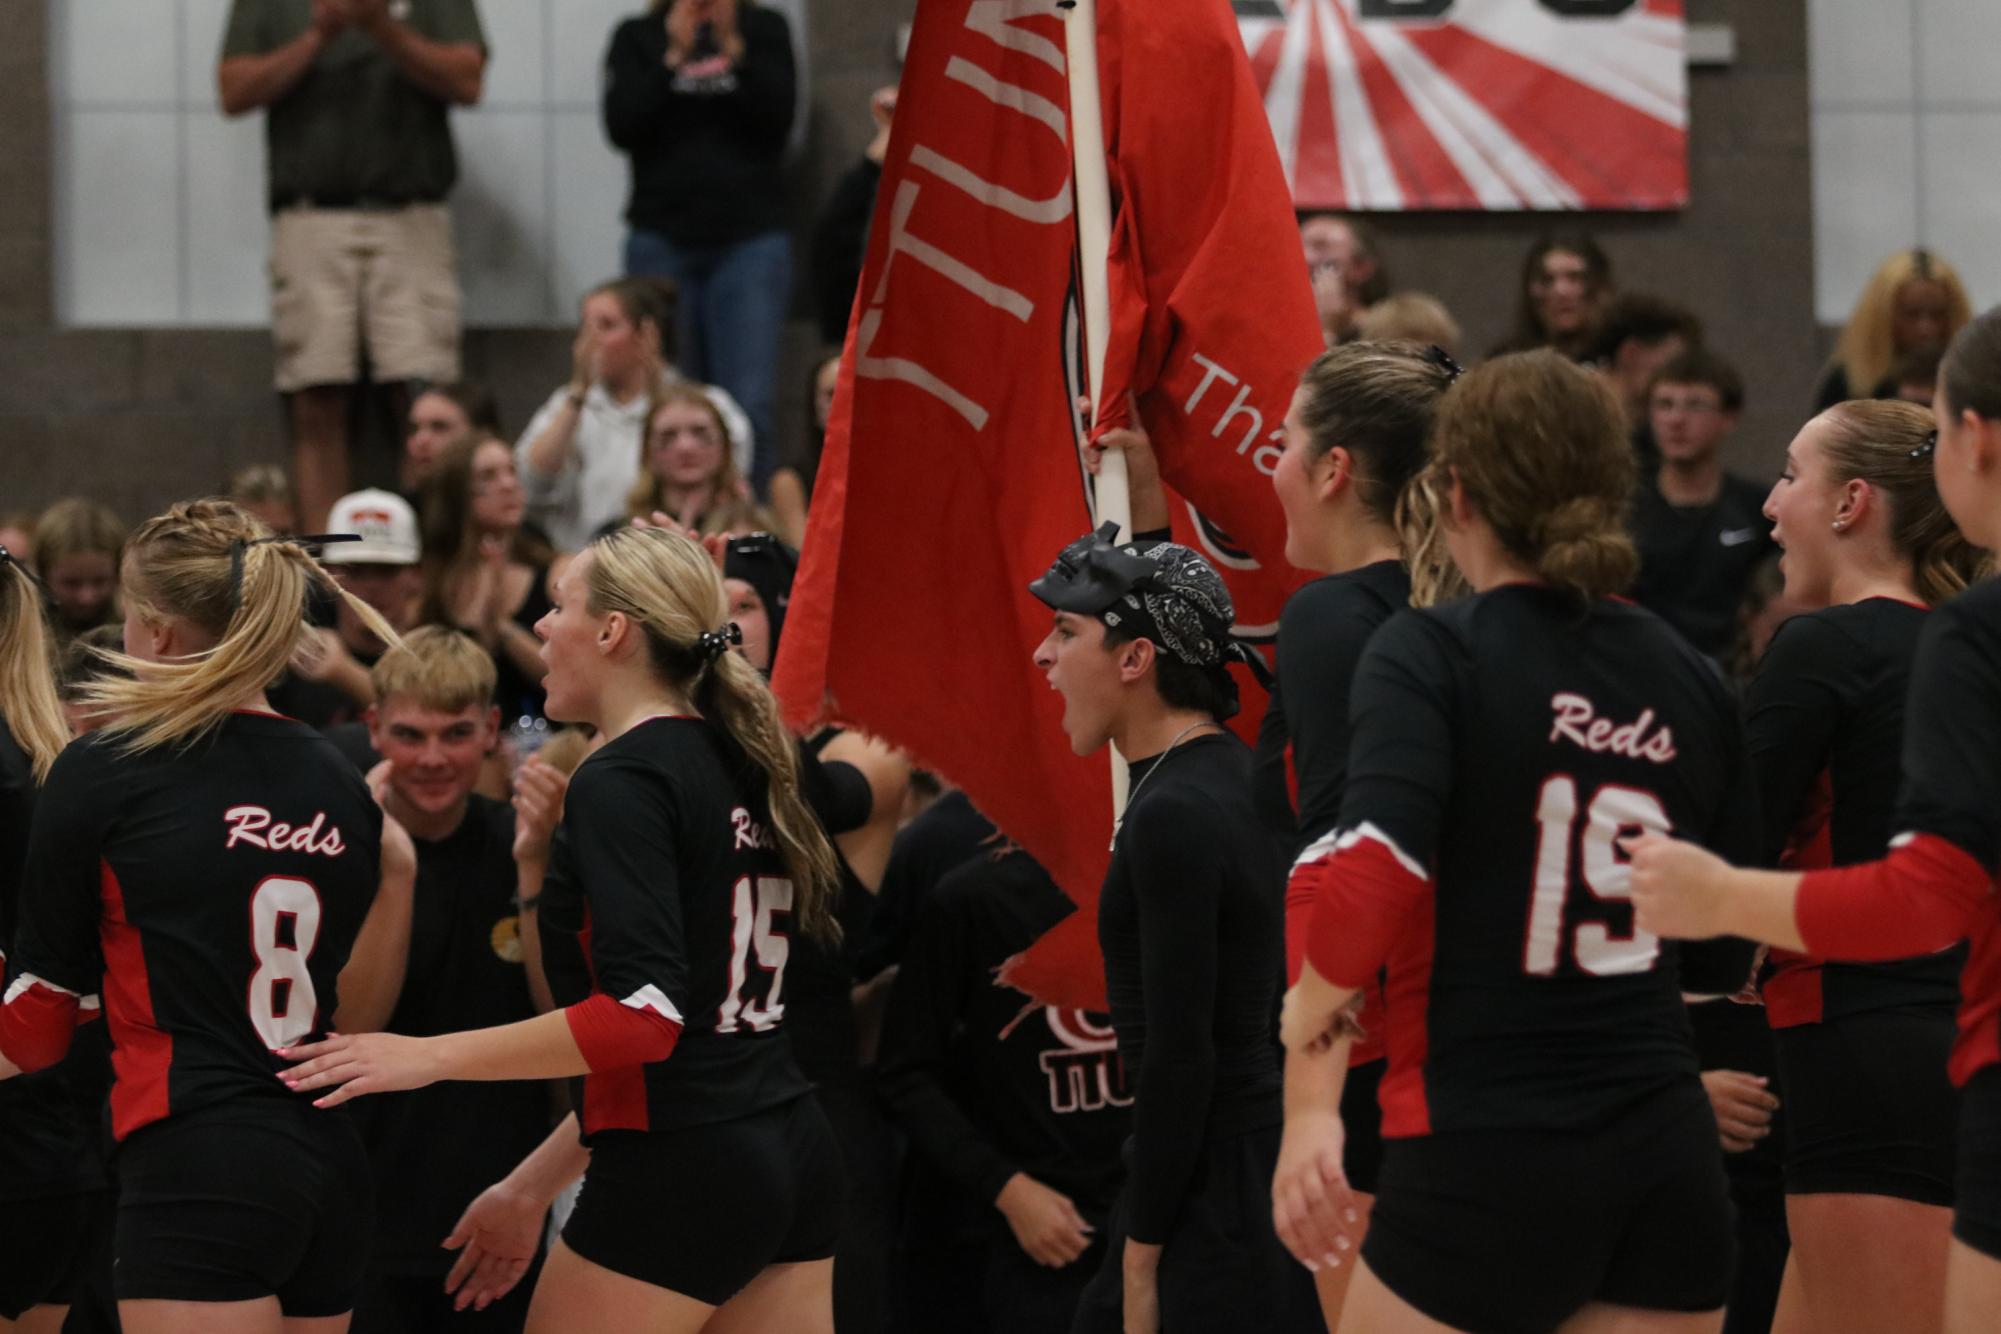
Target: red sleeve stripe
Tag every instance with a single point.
(614, 1035)
(1369, 890)
(1919, 899)
(36, 1022)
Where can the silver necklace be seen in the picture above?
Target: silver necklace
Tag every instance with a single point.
(1133, 795)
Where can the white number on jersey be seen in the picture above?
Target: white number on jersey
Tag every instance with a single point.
(284, 926)
(1614, 811)
(755, 904)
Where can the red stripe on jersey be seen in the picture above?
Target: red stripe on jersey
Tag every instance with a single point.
(1793, 992)
(1291, 786)
(144, 1053)
(1406, 1107)
(611, 1035)
(613, 1099)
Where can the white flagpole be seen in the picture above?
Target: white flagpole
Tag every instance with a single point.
(1093, 195)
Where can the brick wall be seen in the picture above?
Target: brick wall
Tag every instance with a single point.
(139, 418)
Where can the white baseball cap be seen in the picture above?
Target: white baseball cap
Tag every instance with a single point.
(388, 528)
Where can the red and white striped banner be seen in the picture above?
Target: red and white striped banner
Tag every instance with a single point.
(1475, 104)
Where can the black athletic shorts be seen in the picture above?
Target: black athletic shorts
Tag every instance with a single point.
(702, 1210)
(245, 1199)
(1513, 1231)
(1976, 1214)
(1362, 1126)
(44, 1246)
(1869, 1109)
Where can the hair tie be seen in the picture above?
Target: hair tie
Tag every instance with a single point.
(712, 644)
(239, 545)
(9, 558)
(1926, 449)
(1442, 359)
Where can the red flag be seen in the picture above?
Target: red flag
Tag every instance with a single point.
(951, 473)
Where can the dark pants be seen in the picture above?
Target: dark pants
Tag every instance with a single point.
(1729, 1036)
(957, 1266)
(418, 1304)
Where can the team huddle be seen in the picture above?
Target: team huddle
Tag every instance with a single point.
(1515, 806)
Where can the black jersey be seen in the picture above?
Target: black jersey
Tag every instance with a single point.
(1191, 923)
(1826, 730)
(435, 1148)
(215, 889)
(1502, 745)
(1696, 561)
(985, 1084)
(945, 834)
(666, 891)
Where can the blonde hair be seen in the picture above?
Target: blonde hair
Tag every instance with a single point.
(1539, 444)
(728, 511)
(1410, 316)
(29, 705)
(213, 565)
(1889, 445)
(1867, 348)
(1433, 576)
(73, 527)
(436, 668)
(669, 586)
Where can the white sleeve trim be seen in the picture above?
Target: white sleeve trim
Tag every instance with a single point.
(26, 980)
(1366, 830)
(652, 998)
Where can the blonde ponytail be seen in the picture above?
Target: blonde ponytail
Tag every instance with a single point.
(668, 585)
(214, 566)
(29, 705)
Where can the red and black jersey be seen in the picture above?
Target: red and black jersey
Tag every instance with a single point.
(1826, 730)
(214, 891)
(667, 897)
(1936, 886)
(1503, 744)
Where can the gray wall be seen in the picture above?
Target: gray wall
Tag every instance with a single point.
(138, 418)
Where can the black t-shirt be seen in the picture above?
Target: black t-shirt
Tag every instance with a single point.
(985, 1085)
(666, 888)
(213, 891)
(317, 703)
(820, 986)
(1502, 744)
(948, 831)
(1826, 728)
(1191, 923)
(705, 140)
(1696, 561)
(518, 694)
(435, 1148)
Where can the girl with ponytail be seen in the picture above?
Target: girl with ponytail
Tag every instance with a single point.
(1861, 1049)
(1498, 743)
(684, 860)
(206, 867)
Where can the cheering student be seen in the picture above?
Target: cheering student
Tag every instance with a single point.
(1935, 885)
(1191, 926)
(710, 1178)
(1354, 439)
(1542, 1114)
(209, 865)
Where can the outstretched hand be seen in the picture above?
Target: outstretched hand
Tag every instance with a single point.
(354, 1064)
(496, 1238)
(1313, 1208)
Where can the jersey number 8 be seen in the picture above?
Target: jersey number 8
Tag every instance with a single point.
(1614, 811)
(284, 927)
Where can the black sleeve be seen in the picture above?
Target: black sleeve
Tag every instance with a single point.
(1176, 878)
(840, 242)
(1722, 966)
(638, 86)
(1801, 691)
(767, 81)
(623, 821)
(1952, 729)
(835, 791)
(1401, 718)
(17, 814)
(1321, 636)
(56, 936)
(919, 1029)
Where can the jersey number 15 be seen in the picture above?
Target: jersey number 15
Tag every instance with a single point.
(1614, 811)
(754, 909)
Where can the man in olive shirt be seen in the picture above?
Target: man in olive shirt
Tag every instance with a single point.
(361, 160)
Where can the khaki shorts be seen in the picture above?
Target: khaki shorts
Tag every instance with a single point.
(342, 278)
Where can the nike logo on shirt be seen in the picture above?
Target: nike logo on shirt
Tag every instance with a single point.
(1737, 537)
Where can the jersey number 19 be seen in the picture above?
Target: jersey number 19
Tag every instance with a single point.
(1614, 811)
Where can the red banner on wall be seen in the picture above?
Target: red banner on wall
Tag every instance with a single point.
(1475, 104)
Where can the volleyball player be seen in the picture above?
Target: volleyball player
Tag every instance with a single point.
(1550, 1159)
(1861, 1047)
(48, 1162)
(1935, 886)
(1354, 439)
(711, 1182)
(212, 863)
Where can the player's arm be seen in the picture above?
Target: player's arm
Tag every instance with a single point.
(372, 981)
(501, 1230)
(887, 771)
(1790, 714)
(1738, 833)
(55, 963)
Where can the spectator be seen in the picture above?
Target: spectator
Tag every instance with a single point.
(82, 663)
(442, 415)
(1639, 335)
(483, 573)
(361, 160)
(1348, 277)
(1701, 531)
(1566, 281)
(78, 544)
(578, 454)
(17, 534)
(699, 95)
(459, 966)
(1914, 378)
(1913, 300)
(1411, 317)
(840, 236)
(264, 490)
(687, 473)
(329, 683)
